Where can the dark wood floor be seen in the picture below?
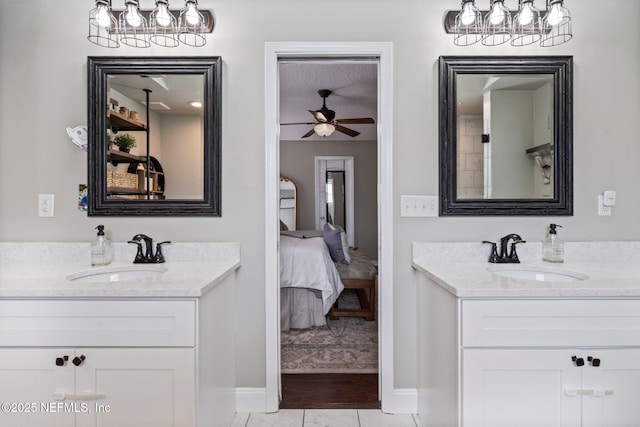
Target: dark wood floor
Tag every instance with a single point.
(330, 391)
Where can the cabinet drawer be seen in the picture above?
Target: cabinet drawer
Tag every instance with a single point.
(92, 323)
(553, 323)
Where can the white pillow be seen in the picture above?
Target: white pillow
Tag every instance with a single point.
(345, 244)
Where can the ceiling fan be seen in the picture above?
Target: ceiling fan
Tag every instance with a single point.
(326, 123)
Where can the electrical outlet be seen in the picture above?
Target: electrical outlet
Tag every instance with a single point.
(603, 210)
(45, 205)
(419, 206)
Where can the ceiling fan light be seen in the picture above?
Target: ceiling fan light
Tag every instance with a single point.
(324, 129)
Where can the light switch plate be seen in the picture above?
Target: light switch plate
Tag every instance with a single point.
(45, 205)
(419, 206)
(603, 210)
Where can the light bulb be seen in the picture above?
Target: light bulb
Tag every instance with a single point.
(556, 15)
(496, 16)
(103, 17)
(468, 15)
(163, 17)
(193, 17)
(133, 16)
(526, 15)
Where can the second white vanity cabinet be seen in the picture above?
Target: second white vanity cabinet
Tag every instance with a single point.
(114, 362)
(538, 362)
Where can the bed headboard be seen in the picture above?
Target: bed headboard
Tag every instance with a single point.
(287, 203)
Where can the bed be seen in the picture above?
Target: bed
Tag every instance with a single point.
(309, 280)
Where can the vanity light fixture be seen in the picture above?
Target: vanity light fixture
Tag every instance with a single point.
(191, 25)
(163, 26)
(132, 26)
(498, 25)
(142, 28)
(324, 129)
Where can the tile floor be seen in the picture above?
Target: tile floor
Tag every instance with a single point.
(325, 418)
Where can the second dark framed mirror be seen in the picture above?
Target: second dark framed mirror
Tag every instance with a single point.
(154, 136)
(506, 135)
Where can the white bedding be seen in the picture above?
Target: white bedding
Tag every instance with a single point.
(306, 263)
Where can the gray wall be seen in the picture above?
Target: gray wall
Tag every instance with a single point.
(297, 163)
(43, 90)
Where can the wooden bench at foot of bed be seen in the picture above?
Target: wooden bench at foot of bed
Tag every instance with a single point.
(360, 275)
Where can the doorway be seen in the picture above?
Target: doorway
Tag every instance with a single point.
(382, 53)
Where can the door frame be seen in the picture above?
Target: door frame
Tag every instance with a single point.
(321, 195)
(382, 52)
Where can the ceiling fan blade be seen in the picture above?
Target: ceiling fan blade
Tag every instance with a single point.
(318, 116)
(287, 124)
(361, 121)
(308, 134)
(347, 131)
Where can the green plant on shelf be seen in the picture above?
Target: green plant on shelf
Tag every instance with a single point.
(124, 142)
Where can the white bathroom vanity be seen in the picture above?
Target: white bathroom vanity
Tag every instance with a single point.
(123, 350)
(558, 349)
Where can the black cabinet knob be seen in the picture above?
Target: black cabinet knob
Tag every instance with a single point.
(594, 361)
(60, 361)
(78, 360)
(579, 361)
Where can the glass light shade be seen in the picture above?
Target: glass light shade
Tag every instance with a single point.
(324, 129)
(468, 24)
(527, 27)
(497, 24)
(162, 25)
(103, 27)
(133, 27)
(191, 25)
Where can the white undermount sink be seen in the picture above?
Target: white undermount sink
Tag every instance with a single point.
(116, 274)
(539, 274)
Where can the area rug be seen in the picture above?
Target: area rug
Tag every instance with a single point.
(347, 345)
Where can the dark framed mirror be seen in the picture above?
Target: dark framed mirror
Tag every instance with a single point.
(506, 135)
(154, 136)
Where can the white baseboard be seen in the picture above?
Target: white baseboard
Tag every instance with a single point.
(405, 401)
(250, 399)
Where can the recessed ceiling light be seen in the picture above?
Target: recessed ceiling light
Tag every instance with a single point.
(195, 104)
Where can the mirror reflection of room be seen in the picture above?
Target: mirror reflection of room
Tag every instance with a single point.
(156, 138)
(504, 136)
(336, 199)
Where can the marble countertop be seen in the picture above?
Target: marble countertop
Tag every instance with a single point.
(463, 270)
(191, 271)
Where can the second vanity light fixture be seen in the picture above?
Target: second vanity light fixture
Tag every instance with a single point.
(499, 25)
(137, 28)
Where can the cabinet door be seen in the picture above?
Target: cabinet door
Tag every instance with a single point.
(138, 387)
(611, 390)
(31, 385)
(524, 388)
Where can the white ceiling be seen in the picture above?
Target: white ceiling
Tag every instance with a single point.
(354, 86)
(175, 91)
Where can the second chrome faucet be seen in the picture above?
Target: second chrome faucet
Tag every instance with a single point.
(147, 256)
(507, 253)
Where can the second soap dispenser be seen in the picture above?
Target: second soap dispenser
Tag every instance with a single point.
(552, 247)
(101, 253)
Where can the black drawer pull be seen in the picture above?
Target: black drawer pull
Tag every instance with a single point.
(78, 360)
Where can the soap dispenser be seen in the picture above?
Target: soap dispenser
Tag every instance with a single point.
(101, 253)
(552, 247)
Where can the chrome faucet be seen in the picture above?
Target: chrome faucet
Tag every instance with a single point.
(508, 253)
(148, 256)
